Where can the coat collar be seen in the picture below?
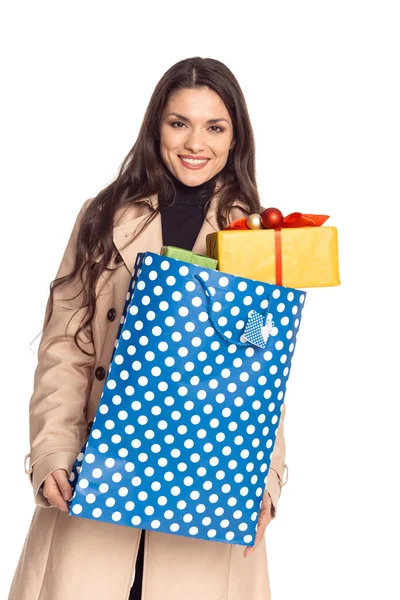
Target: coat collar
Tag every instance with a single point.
(150, 239)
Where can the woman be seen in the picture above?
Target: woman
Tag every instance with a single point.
(190, 172)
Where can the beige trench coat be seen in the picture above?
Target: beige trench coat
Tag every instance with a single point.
(66, 557)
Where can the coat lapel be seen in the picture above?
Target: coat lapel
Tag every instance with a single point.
(150, 239)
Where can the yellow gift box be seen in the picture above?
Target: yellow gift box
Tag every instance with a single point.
(298, 257)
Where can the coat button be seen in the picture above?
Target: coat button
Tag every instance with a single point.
(100, 372)
(111, 314)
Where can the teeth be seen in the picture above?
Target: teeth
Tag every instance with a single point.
(193, 161)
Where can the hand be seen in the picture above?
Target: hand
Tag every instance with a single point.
(263, 519)
(57, 489)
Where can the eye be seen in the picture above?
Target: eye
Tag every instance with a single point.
(175, 123)
(218, 127)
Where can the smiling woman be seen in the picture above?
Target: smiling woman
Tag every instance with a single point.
(189, 173)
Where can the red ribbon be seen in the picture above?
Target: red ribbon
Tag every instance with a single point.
(295, 219)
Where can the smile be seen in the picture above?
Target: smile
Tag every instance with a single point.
(193, 163)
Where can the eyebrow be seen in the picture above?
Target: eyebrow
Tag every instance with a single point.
(188, 120)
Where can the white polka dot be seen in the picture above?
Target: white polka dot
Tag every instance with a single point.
(197, 301)
(190, 286)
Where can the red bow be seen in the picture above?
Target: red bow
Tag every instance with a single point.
(295, 219)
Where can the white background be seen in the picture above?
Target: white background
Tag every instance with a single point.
(321, 80)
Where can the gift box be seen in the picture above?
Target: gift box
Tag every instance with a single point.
(189, 257)
(300, 257)
(185, 429)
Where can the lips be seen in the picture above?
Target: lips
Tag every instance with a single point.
(192, 166)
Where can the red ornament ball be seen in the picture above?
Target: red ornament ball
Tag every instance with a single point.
(271, 218)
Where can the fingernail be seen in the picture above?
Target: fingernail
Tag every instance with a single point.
(66, 496)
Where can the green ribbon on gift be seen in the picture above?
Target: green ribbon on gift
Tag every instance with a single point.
(189, 257)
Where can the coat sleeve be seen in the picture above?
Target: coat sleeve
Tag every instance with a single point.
(275, 480)
(62, 381)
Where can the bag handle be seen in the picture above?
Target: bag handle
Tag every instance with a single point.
(211, 313)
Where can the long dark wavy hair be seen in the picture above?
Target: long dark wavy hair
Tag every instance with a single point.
(143, 173)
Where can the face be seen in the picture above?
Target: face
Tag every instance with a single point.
(195, 126)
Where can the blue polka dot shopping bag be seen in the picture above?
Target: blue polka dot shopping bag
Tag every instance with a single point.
(185, 428)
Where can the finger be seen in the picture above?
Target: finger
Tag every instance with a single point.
(57, 500)
(64, 486)
(263, 521)
(53, 494)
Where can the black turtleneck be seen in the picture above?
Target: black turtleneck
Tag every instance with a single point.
(182, 220)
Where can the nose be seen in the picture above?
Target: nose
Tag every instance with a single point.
(194, 141)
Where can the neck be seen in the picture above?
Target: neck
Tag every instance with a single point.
(187, 194)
